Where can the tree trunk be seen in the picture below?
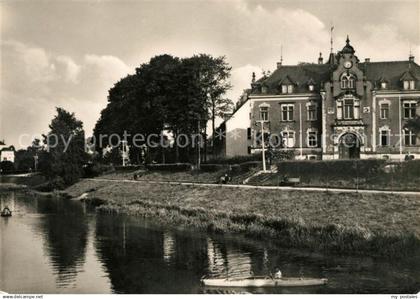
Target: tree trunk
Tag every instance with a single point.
(176, 146)
(205, 144)
(213, 126)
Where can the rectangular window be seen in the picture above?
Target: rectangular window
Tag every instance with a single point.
(312, 139)
(406, 84)
(339, 109)
(384, 111)
(385, 136)
(412, 86)
(264, 113)
(284, 89)
(287, 112)
(289, 88)
(288, 139)
(248, 133)
(351, 83)
(312, 112)
(409, 109)
(348, 109)
(264, 89)
(409, 138)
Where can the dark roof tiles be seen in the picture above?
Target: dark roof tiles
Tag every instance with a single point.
(376, 72)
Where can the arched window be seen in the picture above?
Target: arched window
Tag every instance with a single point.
(312, 138)
(347, 81)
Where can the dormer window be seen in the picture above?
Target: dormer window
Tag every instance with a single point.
(287, 88)
(264, 89)
(409, 84)
(412, 85)
(384, 85)
(311, 87)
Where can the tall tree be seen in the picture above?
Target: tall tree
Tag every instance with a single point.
(65, 146)
(414, 125)
(166, 93)
(212, 80)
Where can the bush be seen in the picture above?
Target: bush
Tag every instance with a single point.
(96, 169)
(56, 184)
(236, 159)
(347, 169)
(410, 168)
(7, 167)
(247, 166)
(212, 167)
(129, 167)
(169, 167)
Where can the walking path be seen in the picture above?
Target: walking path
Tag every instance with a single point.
(318, 189)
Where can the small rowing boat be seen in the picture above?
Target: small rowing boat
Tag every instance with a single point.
(6, 212)
(264, 282)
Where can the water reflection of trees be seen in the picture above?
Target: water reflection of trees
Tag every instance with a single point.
(65, 229)
(142, 259)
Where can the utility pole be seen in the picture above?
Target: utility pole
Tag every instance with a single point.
(263, 143)
(124, 152)
(36, 162)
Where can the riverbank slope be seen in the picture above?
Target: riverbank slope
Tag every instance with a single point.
(369, 224)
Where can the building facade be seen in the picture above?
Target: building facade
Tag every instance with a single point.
(7, 153)
(341, 109)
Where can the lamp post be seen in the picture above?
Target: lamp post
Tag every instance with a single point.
(36, 162)
(263, 142)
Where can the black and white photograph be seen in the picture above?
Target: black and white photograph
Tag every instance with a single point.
(209, 147)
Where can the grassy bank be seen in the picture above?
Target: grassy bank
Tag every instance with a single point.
(348, 223)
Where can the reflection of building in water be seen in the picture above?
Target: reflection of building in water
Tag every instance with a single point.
(168, 246)
(224, 260)
(216, 261)
(7, 200)
(239, 263)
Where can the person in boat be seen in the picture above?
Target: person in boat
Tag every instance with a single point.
(6, 211)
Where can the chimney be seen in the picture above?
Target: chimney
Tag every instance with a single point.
(320, 59)
(367, 60)
(411, 58)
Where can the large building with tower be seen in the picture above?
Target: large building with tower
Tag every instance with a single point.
(339, 109)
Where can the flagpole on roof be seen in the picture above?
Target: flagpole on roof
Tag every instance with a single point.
(331, 35)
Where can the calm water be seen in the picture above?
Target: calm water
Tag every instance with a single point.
(62, 246)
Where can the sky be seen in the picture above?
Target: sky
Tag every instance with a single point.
(70, 53)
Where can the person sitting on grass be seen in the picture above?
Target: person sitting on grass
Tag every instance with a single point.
(278, 274)
(224, 179)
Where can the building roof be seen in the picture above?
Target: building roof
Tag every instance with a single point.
(348, 49)
(10, 148)
(391, 71)
(299, 75)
